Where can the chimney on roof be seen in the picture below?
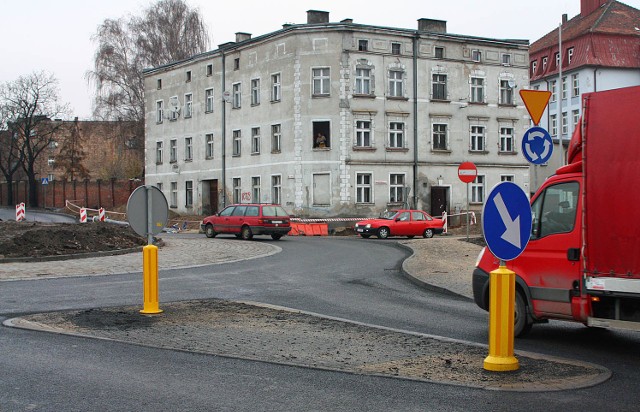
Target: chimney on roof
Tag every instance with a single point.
(433, 26)
(317, 16)
(242, 37)
(589, 6)
(565, 18)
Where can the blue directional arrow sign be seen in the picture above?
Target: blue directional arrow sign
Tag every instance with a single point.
(537, 145)
(506, 220)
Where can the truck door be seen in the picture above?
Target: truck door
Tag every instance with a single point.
(549, 264)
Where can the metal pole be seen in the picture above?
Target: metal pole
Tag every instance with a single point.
(149, 216)
(467, 212)
(560, 91)
(224, 132)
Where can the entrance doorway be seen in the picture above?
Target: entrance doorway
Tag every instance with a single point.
(439, 200)
(210, 204)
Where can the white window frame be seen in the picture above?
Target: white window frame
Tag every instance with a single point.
(173, 150)
(565, 123)
(565, 89)
(188, 149)
(396, 187)
(477, 138)
(554, 90)
(236, 184)
(364, 190)
(439, 83)
(506, 59)
(276, 189)
(159, 150)
(255, 188)
(437, 134)
(255, 92)
(276, 87)
(553, 121)
(255, 140)
(208, 93)
(476, 55)
(188, 193)
(321, 81)
(506, 92)
(396, 83)
(188, 105)
(478, 190)
(236, 142)
(363, 133)
(534, 66)
(507, 139)
(174, 194)
(575, 85)
(576, 118)
(209, 142)
(544, 64)
(237, 95)
(569, 55)
(276, 138)
(362, 81)
(159, 111)
(477, 91)
(397, 135)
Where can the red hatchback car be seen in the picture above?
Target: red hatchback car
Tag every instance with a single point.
(246, 220)
(405, 222)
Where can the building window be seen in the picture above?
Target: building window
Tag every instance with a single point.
(237, 189)
(396, 49)
(237, 95)
(174, 194)
(173, 150)
(439, 87)
(552, 87)
(440, 136)
(364, 188)
(396, 188)
(209, 69)
(569, 55)
(321, 81)
(236, 63)
(188, 148)
(554, 125)
(276, 136)
(363, 133)
(255, 188)
(506, 140)
(158, 152)
(565, 89)
(237, 143)
(208, 100)
(506, 92)
(534, 66)
(439, 52)
(209, 145)
(51, 161)
(188, 105)
(276, 189)
(188, 192)
(477, 190)
(159, 111)
(557, 56)
(321, 135)
(477, 90)
(576, 118)
(575, 85)
(476, 55)
(396, 135)
(507, 178)
(544, 64)
(255, 140)
(396, 83)
(565, 123)
(363, 81)
(188, 76)
(477, 139)
(275, 87)
(159, 186)
(159, 84)
(255, 92)
(506, 59)
(363, 45)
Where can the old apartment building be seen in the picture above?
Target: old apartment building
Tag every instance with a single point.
(338, 119)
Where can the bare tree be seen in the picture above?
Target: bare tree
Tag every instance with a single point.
(10, 159)
(71, 155)
(28, 105)
(167, 31)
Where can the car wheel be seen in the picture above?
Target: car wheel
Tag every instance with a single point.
(383, 232)
(208, 230)
(245, 233)
(428, 233)
(521, 326)
(276, 236)
(365, 236)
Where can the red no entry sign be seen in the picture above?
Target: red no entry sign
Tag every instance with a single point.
(467, 172)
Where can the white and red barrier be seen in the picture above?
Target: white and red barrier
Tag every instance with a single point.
(20, 212)
(101, 215)
(83, 215)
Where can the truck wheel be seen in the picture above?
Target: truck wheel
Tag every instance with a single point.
(208, 230)
(521, 326)
(383, 232)
(245, 233)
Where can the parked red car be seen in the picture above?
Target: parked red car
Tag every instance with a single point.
(403, 222)
(246, 220)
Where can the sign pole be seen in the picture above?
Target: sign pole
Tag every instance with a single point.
(467, 212)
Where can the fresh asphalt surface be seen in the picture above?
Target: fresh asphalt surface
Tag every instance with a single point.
(344, 277)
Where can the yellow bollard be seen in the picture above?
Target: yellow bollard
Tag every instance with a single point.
(150, 280)
(502, 294)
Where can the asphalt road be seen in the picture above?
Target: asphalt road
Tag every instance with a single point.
(342, 277)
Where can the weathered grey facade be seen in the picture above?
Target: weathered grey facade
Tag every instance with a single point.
(398, 110)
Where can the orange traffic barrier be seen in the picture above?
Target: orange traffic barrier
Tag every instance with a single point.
(309, 229)
(295, 229)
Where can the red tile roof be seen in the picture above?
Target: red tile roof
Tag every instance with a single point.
(609, 37)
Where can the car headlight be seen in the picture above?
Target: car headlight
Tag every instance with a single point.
(368, 226)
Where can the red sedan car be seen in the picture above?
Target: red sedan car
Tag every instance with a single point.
(403, 222)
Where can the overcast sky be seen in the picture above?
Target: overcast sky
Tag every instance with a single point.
(56, 35)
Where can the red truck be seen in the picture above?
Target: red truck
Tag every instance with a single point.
(582, 262)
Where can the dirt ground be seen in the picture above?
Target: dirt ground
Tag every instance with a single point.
(34, 239)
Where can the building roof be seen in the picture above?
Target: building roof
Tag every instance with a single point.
(609, 37)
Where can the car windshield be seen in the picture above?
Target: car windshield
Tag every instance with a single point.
(389, 214)
(273, 211)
